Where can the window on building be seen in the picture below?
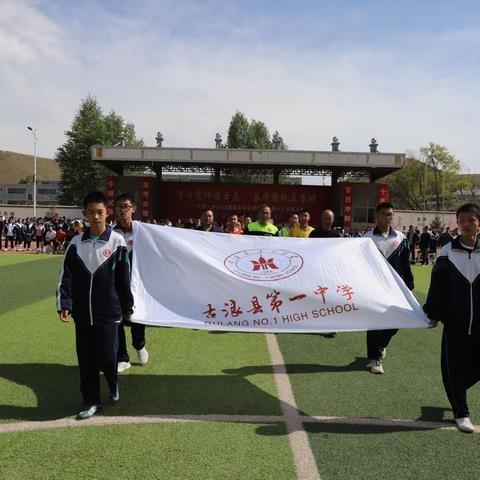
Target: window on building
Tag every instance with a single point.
(363, 215)
(47, 191)
(16, 190)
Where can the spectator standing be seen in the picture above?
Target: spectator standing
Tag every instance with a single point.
(326, 230)
(303, 229)
(263, 226)
(424, 244)
(207, 222)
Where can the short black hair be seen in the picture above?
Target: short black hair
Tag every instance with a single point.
(262, 206)
(469, 208)
(208, 209)
(124, 197)
(304, 210)
(95, 197)
(384, 206)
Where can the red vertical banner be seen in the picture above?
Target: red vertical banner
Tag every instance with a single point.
(145, 199)
(347, 205)
(382, 193)
(111, 189)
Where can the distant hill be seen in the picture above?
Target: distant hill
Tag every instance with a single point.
(17, 166)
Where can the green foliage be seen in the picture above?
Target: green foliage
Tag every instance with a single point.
(436, 223)
(27, 180)
(430, 182)
(243, 134)
(79, 174)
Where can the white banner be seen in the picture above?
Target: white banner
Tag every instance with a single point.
(216, 281)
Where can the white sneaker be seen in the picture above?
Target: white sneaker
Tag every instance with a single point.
(123, 366)
(142, 356)
(465, 425)
(376, 366)
(88, 412)
(383, 354)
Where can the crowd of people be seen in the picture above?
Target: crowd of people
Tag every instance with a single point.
(39, 235)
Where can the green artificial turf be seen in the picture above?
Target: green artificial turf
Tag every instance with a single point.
(329, 377)
(189, 372)
(372, 453)
(206, 451)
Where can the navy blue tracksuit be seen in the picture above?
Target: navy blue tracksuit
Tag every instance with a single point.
(94, 285)
(396, 249)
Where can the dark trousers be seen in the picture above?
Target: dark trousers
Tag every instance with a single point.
(377, 340)
(424, 251)
(96, 350)
(11, 240)
(412, 253)
(460, 362)
(138, 339)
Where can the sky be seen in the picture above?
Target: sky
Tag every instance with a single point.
(405, 72)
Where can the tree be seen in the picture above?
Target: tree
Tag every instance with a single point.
(429, 182)
(436, 223)
(238, 131)
(243, 134)
(79, 174)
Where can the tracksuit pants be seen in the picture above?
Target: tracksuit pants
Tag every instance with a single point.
(377, 340)
(138, 339)
(96, 350)
(460, 361)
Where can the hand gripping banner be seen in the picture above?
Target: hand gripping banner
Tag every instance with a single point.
(215, 281)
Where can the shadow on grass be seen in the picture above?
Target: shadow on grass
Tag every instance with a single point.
(39, 275)
(57, 390)
(292, 368)
(325, 429)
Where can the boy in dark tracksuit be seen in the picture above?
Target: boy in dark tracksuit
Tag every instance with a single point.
(454, 299)
(124, 210)
(94, 288)
(394, 246)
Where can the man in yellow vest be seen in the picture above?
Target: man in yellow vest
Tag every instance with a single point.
(303, 229)
(263, 226)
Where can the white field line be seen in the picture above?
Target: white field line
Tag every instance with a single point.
(303, 458)
(266, 419)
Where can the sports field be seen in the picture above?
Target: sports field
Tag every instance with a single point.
(217, 406)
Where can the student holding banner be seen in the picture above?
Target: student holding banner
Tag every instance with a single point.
(394, 246)
(454, 299)
(124, 210)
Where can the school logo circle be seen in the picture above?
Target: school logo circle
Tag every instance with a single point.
(107, 252)
(264, 265)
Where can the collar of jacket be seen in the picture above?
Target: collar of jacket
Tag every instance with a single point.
(104, 237)
(457, 245)
(391, 232)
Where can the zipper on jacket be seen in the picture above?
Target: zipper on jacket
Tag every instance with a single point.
(471, 291)
(90, 293)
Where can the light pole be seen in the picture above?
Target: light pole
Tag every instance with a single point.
(34, 132)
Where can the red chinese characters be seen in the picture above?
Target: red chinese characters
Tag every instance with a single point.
(275, 302)
(256, 307)
(321, 291)
(231, 309)
(346, 291)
